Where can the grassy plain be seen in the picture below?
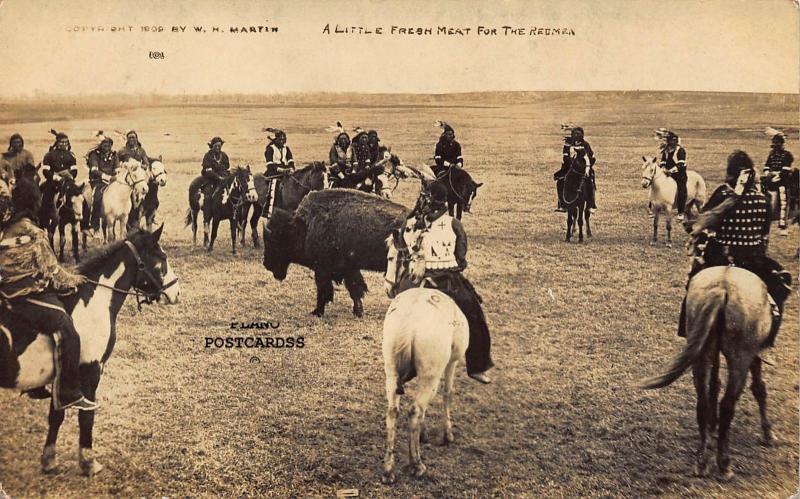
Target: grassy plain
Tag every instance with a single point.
(574, 326)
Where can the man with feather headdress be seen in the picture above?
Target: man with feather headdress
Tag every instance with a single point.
(448, 150)
(776, 171)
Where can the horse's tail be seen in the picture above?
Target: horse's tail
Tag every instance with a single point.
(404, 361)
(700, 192)
(188, 221)
(697, 334)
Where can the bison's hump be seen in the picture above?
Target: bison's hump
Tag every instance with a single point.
(345, 227)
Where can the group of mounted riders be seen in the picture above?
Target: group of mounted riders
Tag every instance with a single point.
(734, 225)
(31, 279)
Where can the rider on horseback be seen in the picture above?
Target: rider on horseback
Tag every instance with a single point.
(215, 166)
(338, 155)
(103, 163)
(59, 160)
(30, 282)
(777, 170)
(444, 244)
(579, 151)
(736, 221)
(448, 150)
(17, 157)
(279, 164)
(134, 149)
(673, 161)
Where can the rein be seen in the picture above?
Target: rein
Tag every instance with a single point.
(141, 296)
(579, 190)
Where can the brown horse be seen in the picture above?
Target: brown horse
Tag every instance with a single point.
(576, 192)
(727, 311)
(293, 188)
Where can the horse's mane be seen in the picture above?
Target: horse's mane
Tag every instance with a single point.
(97, 258)
(309, 167)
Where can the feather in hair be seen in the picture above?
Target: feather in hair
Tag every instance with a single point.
(773, 132)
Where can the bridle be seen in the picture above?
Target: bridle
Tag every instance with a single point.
(404, 257)
(652, 177)
(579, 190)
(238, 188)
(142, 297)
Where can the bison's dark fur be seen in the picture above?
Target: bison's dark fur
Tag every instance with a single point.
(336, 233)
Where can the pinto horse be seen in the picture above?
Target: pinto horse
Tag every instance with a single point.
(26, 357)
(425, 335)
(576, 191)
(663, 191)
(226, 203)
(461, 190)
(293, 188)
(728, 312)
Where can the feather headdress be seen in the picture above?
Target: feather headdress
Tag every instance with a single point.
(338, 129)
(772, 132)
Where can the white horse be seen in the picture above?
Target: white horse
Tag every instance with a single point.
(425, 334)
(125, 192)
(663, 190)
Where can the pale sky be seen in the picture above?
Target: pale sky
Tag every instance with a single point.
(714, 45)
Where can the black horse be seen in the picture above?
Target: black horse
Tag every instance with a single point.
(461, 190)
(576, 192)
(226, 202)
(137, 266)
(293, 188)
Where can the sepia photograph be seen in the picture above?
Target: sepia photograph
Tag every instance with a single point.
(384, 248)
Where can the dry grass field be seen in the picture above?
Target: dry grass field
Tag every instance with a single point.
(574, 326)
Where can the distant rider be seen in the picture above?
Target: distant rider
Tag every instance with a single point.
(777, 169)
(673, 161)
(279, 164)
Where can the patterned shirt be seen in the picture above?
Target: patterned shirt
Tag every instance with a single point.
(747, 223)
(673, 159)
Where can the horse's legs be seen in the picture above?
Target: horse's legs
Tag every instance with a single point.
(254, 224)
(392, 409)
(214, 227)
(354, 282)
(234, 227)
(449, 377)
(737, 376)
(586, 214)
(656, 216)
(54, 420)
(241, 221)
(61, 241)
(569, 224)
(426, 389)
(580, 223)
(206, 223)
(701, 372)
(324, 292)
(193, 213)
(75, 240)
(668, 242)
(713, 400)
(90, 378)
(759, 389)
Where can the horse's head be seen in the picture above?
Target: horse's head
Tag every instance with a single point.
(649, 170)
(154, 277)
(158, 173)
(136, 178)
(405, 265)
(318, 178)
(244, 184)
(75, 196)
(471, 193)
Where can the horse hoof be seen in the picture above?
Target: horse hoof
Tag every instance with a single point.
(317, 312)
(726, 476)
(48, 460)
(419, 470)
(701, 470)
(668, 245)
(447, 439)
(388, 478)
(89, 465)
(653, 243)
(358, 310)
(769, 439)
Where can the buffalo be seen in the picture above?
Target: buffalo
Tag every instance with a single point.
(337, 233)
